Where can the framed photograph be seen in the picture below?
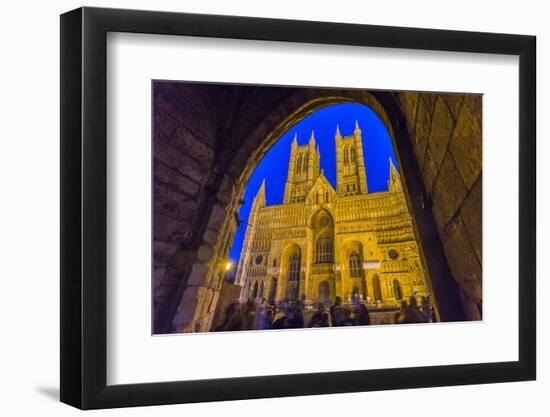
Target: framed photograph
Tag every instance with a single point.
(257, 208)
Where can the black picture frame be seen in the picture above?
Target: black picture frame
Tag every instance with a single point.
(84, 207)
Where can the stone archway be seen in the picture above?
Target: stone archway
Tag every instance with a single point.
(203, 167)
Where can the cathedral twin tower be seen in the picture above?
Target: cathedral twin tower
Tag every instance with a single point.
(305, 162)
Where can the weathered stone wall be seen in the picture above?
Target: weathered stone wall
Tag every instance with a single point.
(207, 140)
(446, 134)
(190, 198)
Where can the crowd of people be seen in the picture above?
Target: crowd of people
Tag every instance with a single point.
(264, 315)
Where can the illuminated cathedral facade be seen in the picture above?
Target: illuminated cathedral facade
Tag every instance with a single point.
(323, 242)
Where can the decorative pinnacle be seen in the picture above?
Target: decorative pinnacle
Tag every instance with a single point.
(338, 130)
(260, 195)
(357, 125)
(295, 140)
(393, 169)
(312, 135)
(262, 187)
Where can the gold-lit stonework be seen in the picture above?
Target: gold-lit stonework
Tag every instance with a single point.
(322, 243)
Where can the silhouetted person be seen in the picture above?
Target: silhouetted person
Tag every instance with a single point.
(296, 318)
(321, 318)
(260, 314)
(337, 312)
(231, 315)
(248, 321)
(362, 314)
(412, 313)
(268, 318)
(347, 316)
(302, 301)
(280, 319)
(235, 319)
(400, 315)
(426, 307)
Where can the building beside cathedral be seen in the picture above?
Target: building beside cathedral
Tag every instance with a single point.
(323, 242)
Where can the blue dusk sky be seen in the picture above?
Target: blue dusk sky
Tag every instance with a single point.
(377, 149)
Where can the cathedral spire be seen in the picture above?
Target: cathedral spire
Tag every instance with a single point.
(259, 200)
(394, 181)
(295, 140)
(393, 169)
(262, 188)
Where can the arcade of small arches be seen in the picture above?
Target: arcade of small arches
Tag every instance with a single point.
(284, 287)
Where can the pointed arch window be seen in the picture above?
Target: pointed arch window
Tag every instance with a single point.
(324, 249)
(398, 294)
(299, 163)
(294, 269)
(346, 156)
(354, 265)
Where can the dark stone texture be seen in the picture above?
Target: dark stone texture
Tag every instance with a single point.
(462, 260)
(466, 146)
(430, 171)
(441, 130)
(471, 213)
(449, 190)
(423, 124)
